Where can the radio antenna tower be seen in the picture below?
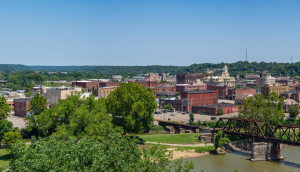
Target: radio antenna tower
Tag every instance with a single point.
(291, 59)
(246, 54)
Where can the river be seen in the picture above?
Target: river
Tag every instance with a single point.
(240, 160)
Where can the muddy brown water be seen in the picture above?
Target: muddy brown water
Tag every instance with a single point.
(240, 160)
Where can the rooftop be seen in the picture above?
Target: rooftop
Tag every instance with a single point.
(201, 91)
(218, 105)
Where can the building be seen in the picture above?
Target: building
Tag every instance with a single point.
(164, 88)
(288, 82)
(108, 84)
(11, 104)
(234, 93)
(188, 78)
(222, 91)
(21, 106)
(175, 102)
(54, 94)
(212, 109)
(103, 91)
(87, 85)
(171, 79)
(190, 87)
(266, 90)
(195, 98)
(262, 81)
(117, 78)
(287, 103)
(224, 80)
(251, 77)
(151, 84)
(240, 100)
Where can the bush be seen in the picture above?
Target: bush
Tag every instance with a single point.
(198, 122)
(204, 123)
(157, 128)
(204, 149)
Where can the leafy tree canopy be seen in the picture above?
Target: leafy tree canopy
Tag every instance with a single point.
(168, 106)
(131, 107)
(4, 108)
(258, 108)
(294, 111)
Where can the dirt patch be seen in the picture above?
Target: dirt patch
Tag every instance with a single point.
(186, 154)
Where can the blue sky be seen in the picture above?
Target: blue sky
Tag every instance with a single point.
(150, 32)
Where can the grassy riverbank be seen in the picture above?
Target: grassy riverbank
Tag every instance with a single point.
(187, 138)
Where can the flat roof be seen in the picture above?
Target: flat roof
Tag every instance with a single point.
(218, 105)
(201, 91)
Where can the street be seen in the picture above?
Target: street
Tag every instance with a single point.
(185, 117)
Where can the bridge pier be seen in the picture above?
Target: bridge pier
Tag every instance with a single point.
(263, 151)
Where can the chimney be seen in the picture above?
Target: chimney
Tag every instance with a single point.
(261, 74)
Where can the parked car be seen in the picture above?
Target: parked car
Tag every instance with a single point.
(172, 114)
(165, 111)
(183, 112)
(158, 112)
(213, 118)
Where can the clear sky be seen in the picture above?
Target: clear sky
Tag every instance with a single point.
(153, 32)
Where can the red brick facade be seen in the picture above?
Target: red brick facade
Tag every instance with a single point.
(108, 84)
(234, 93)
(21, 106)
(175, 103)
(187, 78)
(165, 88)
(88, 85)
(195, 98)
(213, 108)
(222, 91)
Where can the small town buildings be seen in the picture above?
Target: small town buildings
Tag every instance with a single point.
(287, 103)
(21, 106)
(195, 98)
(175, 102)
(251, 77)
(164, 94)
(103, 91)
(234, 93)
(190, 87)
(53, 94)
(11, 104)
(170, 79)
(188, 78)
(222, 91)
(117, 78)
(212, 109)
(108, 84)
(87, 85)
(164, 88)
(224, 80)
(240, 100)
(262, 81)
(267, 89)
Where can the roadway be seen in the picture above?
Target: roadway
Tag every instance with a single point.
(17, 121)
(185, 117)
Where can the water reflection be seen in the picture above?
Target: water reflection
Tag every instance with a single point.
(240, 160)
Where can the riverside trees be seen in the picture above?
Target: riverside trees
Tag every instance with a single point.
(258, 108)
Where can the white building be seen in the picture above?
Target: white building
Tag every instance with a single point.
(261, 81)
(224, 80)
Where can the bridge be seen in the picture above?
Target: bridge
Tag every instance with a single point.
(178, 125)
(270, 148)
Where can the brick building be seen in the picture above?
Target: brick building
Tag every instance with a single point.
(151, 84)
(103, 91)
(108, 84)
(234, 93)
(190, 87)
(195, 98)
(11, 104)
(87, 85)
(21, 106)
(164, 88)
(212, 109)
(222, 90)
(188, 78)
(175, 102)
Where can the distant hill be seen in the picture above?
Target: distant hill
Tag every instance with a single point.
(13, 67)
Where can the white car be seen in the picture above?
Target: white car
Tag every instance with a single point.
(172, 114)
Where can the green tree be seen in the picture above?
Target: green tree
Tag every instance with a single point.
(197, 89)
(28, 94)
(220, 140)
(192, 118)
(37, 105)
(4, 108)
(220, 111)
(131, 107)
(5, 126)
(115, 153)
(258, 108)
(178, 94)
(9, 139)
(168, 106)
(294, 111)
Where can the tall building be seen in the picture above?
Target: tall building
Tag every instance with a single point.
(262, 81)
(267, 89)
(224, 80)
